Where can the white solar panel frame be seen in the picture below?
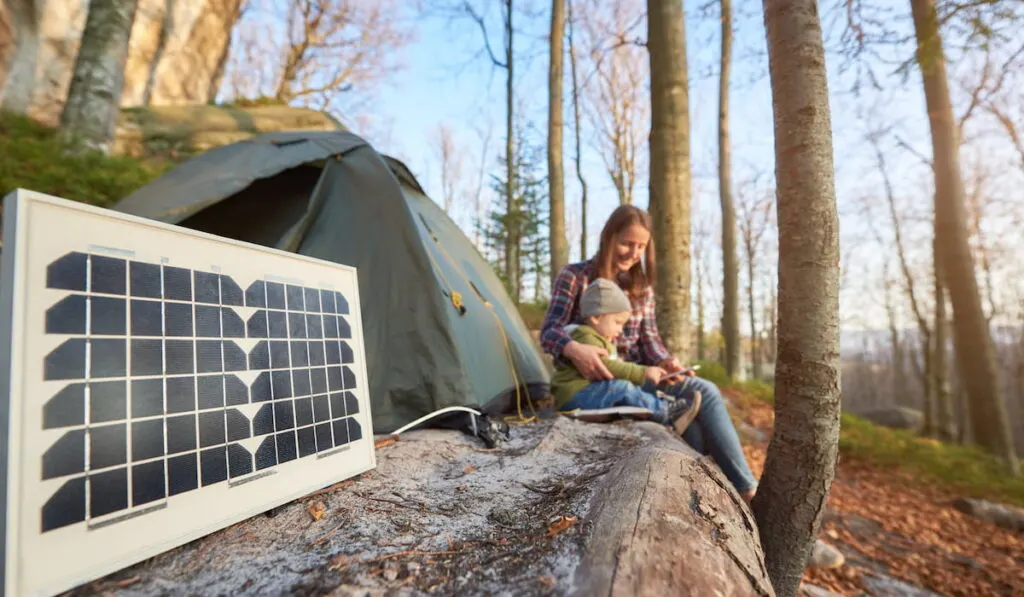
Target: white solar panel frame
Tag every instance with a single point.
(38, 229)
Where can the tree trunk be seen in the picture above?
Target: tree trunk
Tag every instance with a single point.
(217, 75)
(928, 393)
(94, 97)
(944, 428)
(772, 336)
(755, 356)
(670, 170)
(899, 381)
(512, 234)
(556, 173)
(976, 354)
(17, 91)
(576, 125)
(701, 339)
(800, 464)
(910, 285)
(167, 22)
(730, 268)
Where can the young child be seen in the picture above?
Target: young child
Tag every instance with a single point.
(605, 309)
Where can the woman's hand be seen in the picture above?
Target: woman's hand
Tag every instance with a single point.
(671, 365)
(587, 359)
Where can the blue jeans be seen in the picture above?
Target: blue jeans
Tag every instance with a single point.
(617, 392)
(712, 431)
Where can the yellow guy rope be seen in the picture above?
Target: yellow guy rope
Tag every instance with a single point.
(456, 298)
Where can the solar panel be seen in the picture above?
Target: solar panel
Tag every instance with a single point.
(160, 383)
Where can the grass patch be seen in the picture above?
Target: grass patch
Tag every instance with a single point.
(33, 158)
(964, 469)
(755, 388)
(714, 372)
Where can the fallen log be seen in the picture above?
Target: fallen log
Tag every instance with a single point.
(564, 507)
(665, 521)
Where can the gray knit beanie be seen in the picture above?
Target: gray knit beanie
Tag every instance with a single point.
(603, 296)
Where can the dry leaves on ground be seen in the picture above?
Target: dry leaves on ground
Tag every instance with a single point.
(886, 520)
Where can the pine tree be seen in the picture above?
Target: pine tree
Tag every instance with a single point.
(524, 219)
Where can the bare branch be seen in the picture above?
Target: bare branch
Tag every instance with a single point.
(479, 20)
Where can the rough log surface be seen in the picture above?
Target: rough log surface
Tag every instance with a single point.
(442, 516)
(667, 522)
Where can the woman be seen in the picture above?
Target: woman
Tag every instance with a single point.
(626, 255)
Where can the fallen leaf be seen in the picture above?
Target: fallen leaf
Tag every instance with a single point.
(468, 469)
(316, 510)
(547, 581)
(563, 523)
(385, 441)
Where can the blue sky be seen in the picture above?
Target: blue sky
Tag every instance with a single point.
(448, 79)
(443, 83)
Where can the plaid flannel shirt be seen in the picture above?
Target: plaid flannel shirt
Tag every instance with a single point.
(639, 342)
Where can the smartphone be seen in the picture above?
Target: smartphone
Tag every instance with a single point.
(680, 373)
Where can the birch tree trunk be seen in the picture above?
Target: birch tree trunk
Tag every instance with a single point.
(670, 170)
(730, 267)
(801, 459)
(94, 97)
(975, 353)
(556, 173)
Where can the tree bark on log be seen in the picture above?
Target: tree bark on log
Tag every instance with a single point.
(666, 521)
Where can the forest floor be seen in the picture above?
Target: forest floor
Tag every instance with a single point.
(886, 520)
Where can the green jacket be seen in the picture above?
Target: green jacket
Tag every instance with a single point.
(567, 380)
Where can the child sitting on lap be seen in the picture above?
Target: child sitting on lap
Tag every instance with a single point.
(605, 309)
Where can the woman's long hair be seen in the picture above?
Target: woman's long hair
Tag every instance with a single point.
(643, 273)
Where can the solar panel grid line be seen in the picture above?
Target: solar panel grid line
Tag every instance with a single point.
(273, 412)
(87, 449)
(163, 382)
(128, 427)
(223, 366)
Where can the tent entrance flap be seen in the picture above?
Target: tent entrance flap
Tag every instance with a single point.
(263, 212)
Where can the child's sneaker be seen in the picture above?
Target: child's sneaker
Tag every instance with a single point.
(682, 412)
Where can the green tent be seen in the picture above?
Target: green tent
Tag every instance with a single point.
(439, 328)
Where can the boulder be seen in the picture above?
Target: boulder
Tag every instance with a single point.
(824, 555)
(1002, 515)
(896, 417)
(179, 131)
